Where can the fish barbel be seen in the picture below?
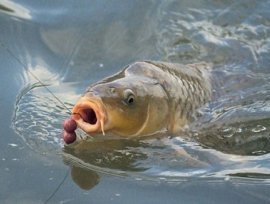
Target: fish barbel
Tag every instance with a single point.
(143, 99)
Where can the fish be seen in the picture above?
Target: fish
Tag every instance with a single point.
(143, 99)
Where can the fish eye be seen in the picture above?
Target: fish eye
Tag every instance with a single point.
(129, 97)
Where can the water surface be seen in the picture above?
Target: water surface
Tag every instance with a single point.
(52, 51)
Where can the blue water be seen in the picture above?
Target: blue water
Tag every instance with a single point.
(69, 45)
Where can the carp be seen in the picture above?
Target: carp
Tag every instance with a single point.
(143, 99)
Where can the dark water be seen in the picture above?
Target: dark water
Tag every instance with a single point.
(222, 158)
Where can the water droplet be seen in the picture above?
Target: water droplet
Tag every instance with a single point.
(227, 129)
(227, 178)
(227, 135)
(228, 132)
(162, 179)
(258, 128)
(259, 152)
(13, 145)
(239, 130)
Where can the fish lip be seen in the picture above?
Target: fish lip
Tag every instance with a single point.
(79, 114)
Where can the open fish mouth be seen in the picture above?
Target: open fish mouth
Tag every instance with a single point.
(89, 114)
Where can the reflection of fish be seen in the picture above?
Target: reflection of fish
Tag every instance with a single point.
(143, 99)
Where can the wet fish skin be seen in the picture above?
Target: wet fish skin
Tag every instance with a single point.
(166, 95)
(188, 87)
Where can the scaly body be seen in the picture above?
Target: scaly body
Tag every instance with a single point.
(143, 99)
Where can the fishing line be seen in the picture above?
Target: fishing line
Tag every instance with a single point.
(58, 187)
(33, 75)
(55, 97)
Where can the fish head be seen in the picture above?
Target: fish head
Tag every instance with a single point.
(129, 106)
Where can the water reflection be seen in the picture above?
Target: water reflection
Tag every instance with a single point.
(84, 178)
(85, 156)
(115, 154)
(153, 160)
(14, 9)
(123, 157)
(229, 138)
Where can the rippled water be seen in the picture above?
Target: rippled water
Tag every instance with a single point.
(237, 117)
(230, 138)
